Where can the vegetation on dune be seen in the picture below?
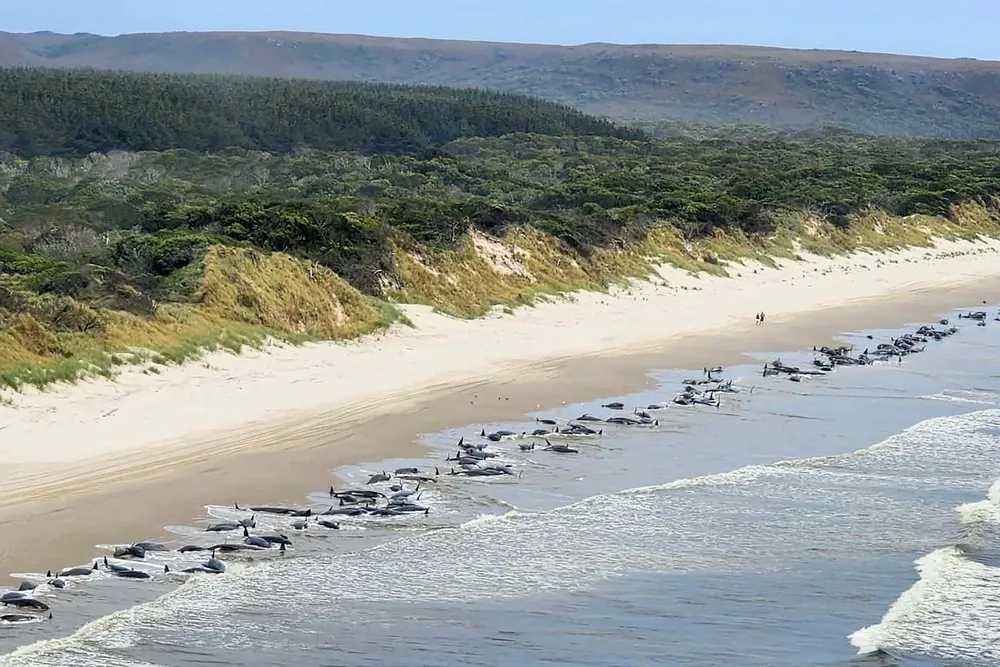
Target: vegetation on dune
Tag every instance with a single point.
(240, 297)
(152, 257)
(281, 293)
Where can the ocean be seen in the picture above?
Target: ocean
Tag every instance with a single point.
(850, 519)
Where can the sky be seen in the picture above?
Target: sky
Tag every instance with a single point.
(956, 28)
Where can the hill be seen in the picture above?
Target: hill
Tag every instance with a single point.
(76, 112)
(872, 93)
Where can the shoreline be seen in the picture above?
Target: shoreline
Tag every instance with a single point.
(86, 481)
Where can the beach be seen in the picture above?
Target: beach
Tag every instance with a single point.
(114, 462)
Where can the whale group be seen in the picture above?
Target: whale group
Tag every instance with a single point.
(401, 492)
(141, 560)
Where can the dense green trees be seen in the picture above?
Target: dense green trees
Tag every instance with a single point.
(76, 112)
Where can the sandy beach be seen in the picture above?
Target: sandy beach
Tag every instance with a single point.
(104, 461)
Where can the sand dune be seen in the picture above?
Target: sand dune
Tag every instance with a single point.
(99, 418)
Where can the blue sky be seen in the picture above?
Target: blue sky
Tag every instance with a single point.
(955, 28)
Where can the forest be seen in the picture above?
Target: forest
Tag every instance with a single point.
(76, 112)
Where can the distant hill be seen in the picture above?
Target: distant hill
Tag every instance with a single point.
(76, 112)
(874, 93)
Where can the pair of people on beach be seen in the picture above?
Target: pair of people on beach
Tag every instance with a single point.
(760, 319)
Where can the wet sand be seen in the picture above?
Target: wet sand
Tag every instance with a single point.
(53, 515)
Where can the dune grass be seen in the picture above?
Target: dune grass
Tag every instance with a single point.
(463, 283)
(246, 297)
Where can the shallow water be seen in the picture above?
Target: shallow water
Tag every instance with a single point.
(799, 524)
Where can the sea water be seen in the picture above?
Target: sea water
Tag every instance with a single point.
(847, 519)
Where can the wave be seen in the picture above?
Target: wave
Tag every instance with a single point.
(483, 519)
(984, 511)
(908, 457)
(966, 396)
(90, 645)
(951, 613)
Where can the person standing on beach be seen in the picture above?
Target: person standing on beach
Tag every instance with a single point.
(756, 319)
(762, 317)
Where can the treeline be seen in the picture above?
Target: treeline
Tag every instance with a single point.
(76, 112)
(124, 229)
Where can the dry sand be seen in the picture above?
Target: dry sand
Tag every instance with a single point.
(107, 461)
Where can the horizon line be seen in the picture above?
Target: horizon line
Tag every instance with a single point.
(762, 47)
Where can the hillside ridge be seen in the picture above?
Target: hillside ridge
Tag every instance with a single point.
(714, 84)
(705, 50)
